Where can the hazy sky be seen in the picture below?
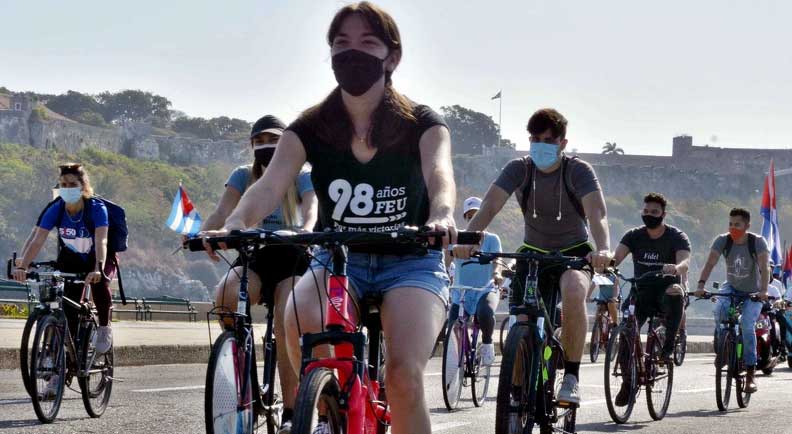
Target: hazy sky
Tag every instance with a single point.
(633, 72)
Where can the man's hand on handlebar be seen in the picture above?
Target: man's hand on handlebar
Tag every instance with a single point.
(20, 274)
(762, 295)
(670, 269)
(443, 225)
(600, 259)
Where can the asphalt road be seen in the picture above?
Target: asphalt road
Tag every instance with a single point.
(169, 399)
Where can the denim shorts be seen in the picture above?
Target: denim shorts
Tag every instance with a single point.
(377, 274)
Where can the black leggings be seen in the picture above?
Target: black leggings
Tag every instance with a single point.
(671, 306)
(485, 315)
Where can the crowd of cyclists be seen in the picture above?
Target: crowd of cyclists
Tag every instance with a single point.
(368, 159)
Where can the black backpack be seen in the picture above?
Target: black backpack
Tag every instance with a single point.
(526, 185)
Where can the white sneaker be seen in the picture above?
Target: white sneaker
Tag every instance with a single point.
(569, 390)
(104, 339)
(487, 354)
(322, 428)
(285, 428)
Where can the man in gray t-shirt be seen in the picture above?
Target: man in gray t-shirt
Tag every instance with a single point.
(557, 195)
(746, 257)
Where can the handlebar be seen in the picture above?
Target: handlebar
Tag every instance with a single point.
(239, 239)
(707, 295)
(572, 262)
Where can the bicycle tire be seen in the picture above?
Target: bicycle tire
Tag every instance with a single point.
(479, 378)
(518, 353)
(221, 402)
(504, 332)
(658, 405)
(319, 386)
(440, 338)
(619, 347)
(680, 349)
(103, 363)
(743, 398)
(48, 344)
(724, 367)
(454, 366)
(24, 349)
(596, 339)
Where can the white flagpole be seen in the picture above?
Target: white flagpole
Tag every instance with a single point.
(500, 117)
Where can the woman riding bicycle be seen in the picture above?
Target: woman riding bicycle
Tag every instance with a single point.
(380, 162)
(82, 224)
(273, 269)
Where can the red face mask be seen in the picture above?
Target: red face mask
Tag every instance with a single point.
(736, 234)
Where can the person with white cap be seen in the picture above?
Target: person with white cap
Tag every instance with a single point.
(271, 273)
(482, 304)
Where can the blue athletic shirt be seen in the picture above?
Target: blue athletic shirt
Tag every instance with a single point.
(475, 275)
(72, 230)
(240, 179)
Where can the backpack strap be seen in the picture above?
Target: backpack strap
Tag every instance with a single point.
(120, 281)
(526, 186)
(727, 247)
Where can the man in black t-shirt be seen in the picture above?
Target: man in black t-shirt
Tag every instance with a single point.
(658, 247)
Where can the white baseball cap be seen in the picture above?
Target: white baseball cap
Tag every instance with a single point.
(470, 204)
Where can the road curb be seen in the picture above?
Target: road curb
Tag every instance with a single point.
(184, 354)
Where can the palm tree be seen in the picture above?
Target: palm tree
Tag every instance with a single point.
(612, 149)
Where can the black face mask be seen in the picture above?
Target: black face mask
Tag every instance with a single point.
(651, 221)
(263, 156)
(356, 71)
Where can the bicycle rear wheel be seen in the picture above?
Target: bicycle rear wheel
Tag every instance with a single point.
(504, 332)
(227, 407)
(480, 378)
(596, 338)
(725, 366)
(48, 367)
(453, 366)
(620, 375)
(97, 383)
(318, 389)
(515, 405)
(270, 402)
(660, 380)
(24, 349)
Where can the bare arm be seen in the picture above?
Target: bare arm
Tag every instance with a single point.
(100, 245)
(309, 210)
(491, 205)
(228, 201)
(32, 249)
(712, 260)
(764, 271)
(264, 196)
(621, 253)
(682, 262)
(597, 214)
(438, 174)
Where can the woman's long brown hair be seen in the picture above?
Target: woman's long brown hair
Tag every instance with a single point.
(393, 117)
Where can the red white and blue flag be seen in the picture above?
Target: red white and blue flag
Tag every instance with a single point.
(184, 218)
(787, 267)
(770, 224)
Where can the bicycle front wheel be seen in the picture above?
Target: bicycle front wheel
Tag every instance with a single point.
(24, 349)
(621, 383)
(480, 379)
(659, 381)
(96, 382)
(453, 366)
(228, 400)
(48, 367)
(318, 393)
(680, 349)
(516, 403)
(596, 339)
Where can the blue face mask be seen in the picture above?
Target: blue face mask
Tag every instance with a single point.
(544, 155)
(70, 195)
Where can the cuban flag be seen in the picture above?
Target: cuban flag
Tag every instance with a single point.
(770, 224)
(184, 218)
(787, 268)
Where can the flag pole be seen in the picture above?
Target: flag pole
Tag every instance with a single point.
(500, 118)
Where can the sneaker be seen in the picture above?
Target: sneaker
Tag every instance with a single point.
(322, 428)
(285, 427)
(487, 354)
(750, 384)
(50, 390)
(104, 339)
(569, 390)
(623, 395)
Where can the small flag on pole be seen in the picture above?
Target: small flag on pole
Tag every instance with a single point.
(787, 267)
(184, 218)
(497, 96)
(770, 223)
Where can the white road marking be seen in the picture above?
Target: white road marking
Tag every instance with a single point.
(448, 425)
(707, 389)
(168, 389)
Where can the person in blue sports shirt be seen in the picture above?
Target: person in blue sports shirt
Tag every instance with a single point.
(482, 304)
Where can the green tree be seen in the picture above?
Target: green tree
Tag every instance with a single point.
(612, 149)
(74, 104)
(470, 130)
(136, 106)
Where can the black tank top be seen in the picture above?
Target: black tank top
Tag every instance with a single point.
(381, 195)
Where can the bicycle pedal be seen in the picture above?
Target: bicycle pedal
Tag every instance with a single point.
(564, 404)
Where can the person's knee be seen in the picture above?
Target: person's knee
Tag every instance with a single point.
(675, 291)
(409, 375)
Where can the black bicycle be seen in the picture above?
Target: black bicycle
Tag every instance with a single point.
(628, 366)
(57, 354)
(729, 365)
(533, 358)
